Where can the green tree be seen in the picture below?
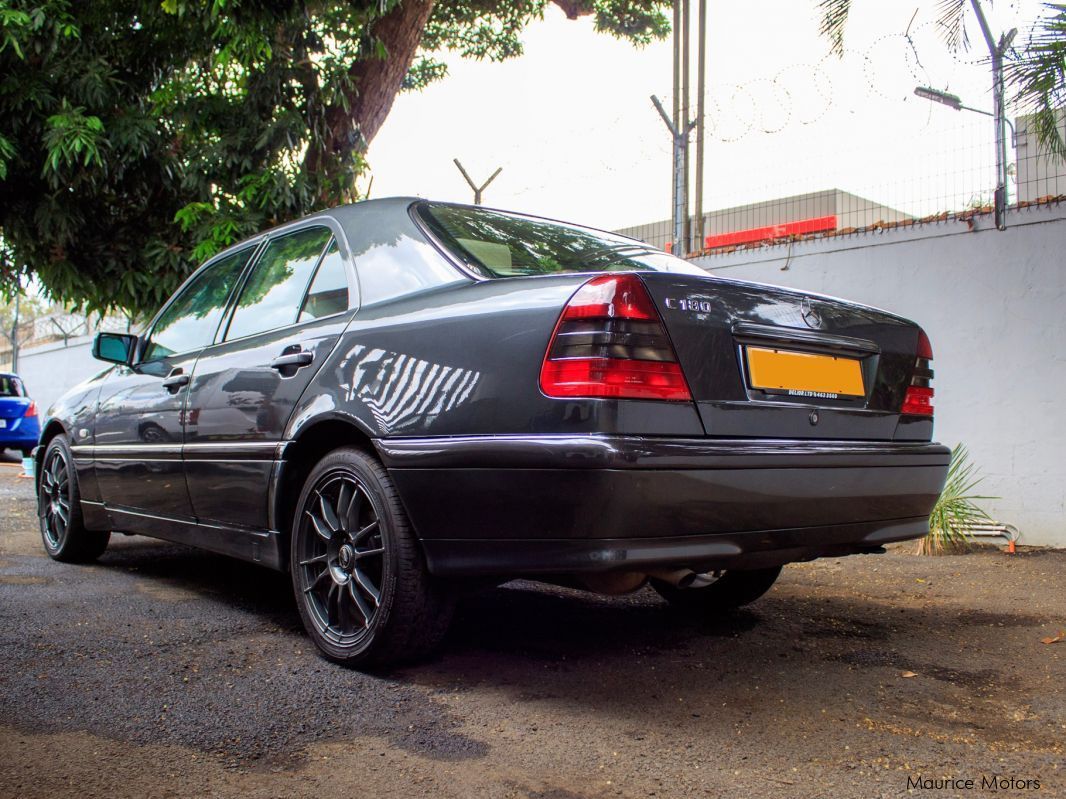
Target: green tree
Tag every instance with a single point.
(1035, 68)
(138, 137)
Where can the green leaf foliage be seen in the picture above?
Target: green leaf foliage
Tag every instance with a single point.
(139, 137)
(1036, 73)
(956, 509)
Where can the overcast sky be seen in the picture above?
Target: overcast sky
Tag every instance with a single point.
(571, 124)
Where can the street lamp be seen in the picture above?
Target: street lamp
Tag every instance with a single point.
(999, 114)
(944, 98)
(955, 102)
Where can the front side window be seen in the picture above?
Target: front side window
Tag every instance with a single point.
(272, 295)
(497, 244)
(191, 320)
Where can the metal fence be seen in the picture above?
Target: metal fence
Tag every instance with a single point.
(938, 172)
(55, 328)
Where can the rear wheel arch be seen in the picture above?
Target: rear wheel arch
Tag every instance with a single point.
(311, 445)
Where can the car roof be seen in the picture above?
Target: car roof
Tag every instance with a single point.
(383, 215)
(352, 211)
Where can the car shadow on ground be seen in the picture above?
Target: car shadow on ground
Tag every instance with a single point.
(798, 653)
(522, 618)
(212, 577)
(503, 632)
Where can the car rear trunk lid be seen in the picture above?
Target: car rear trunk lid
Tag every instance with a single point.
(769, 362)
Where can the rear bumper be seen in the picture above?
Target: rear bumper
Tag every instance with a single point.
(533, 505)
(20, 434)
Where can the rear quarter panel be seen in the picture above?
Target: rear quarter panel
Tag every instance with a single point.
(465, 360)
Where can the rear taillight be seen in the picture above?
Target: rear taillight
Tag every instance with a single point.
(611, 342)
(918, 401)
(31, 409)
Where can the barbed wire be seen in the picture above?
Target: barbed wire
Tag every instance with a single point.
(804, 94)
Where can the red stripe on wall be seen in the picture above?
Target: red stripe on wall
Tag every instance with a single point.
(815, 225)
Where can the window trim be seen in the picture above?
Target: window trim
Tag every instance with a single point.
(331, 225)
(254, 245)
(414, 210)
(417, 208)
(311, 282)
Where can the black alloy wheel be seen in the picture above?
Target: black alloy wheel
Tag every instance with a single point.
(54, 500)
(364, 593)
(342, 558)
(59, 509)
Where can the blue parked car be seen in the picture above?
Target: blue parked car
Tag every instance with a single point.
(20, 426)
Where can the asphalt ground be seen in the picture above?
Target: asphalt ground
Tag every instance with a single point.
(164, 671)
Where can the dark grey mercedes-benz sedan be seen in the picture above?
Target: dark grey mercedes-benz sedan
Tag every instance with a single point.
(388, 397)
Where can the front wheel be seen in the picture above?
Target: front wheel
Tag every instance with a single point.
(731, 590)
(361, 584)
(59, 509)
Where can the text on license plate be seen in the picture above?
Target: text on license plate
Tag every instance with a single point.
(804, 374)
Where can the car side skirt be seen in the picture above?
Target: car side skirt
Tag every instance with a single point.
(255, 546)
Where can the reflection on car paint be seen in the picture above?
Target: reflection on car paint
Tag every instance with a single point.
(404, 392)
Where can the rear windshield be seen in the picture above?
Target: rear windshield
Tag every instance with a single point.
(11, 387)
(498, 244)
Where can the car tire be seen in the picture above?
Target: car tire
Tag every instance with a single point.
(362, 588)
(59, 509)
(734, 589)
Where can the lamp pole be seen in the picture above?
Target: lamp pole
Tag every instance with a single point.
(1001, 197)
(997, 50)
(680, 135)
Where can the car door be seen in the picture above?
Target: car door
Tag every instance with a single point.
(290, 312)
(138, 432)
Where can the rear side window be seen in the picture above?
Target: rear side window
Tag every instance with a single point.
(11, 387)
(272, 295)
(328, 294)
(400, 267)
(191, 320)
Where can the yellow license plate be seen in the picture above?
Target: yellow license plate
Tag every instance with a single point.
(804, 374)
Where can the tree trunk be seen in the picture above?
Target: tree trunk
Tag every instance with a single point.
(378, 80)
(376, 84)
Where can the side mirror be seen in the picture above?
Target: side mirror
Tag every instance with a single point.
(114, 347)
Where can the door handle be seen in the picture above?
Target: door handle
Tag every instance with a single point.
(292, 359)
(175, 380)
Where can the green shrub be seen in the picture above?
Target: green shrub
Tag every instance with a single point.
(956, 509)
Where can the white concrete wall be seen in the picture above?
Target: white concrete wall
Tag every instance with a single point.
(994, 306)
(48, 371)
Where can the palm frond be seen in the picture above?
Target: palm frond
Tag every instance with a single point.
(834, 20)
(951, 21)
(956, 509)
(1036, 77)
